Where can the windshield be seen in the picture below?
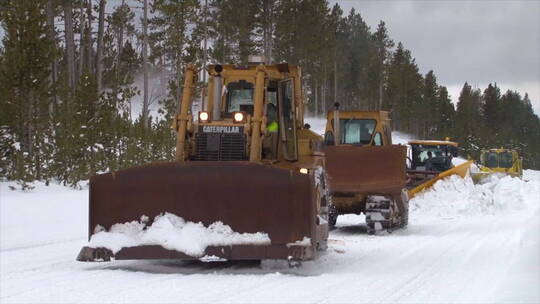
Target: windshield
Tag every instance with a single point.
(421, 152)
(436, 152)
(356, 131)
(505, 159)
(492, 160)
(440, 157)
(240, 97)
(498, 160)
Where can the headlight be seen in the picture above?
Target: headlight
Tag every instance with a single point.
(238, 117)
(304, 170)
(203, 116)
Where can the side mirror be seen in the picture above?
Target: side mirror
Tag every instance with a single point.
(307, 126)
(329, 139)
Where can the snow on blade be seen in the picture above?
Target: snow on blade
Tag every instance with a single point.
(174, 233)
(460, 196)
(304, 242)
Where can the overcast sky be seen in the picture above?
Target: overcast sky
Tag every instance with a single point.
(474, 41)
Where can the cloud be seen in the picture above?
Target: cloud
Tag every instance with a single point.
(475, 41)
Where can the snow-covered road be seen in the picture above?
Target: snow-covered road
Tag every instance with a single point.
(465, 244)
(453, 251)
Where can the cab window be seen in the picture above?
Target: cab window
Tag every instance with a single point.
(287, 117)
(505, 160)
(420, 153)
(377, 141)
(240, 97)
(357, 131)
(492, 160)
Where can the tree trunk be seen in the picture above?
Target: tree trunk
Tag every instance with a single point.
(81, 42)
(316, 108)
(205, 55)
(70, 44)
(380, 93)
(267, 30)
(145, 65)
(335, 80)
(120, 44)
(29, 125)
(52, 36)
(323, 91)
(89, 50)
(99, 50)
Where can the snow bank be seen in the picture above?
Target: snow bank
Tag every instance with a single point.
(460, 196)
(174, 233)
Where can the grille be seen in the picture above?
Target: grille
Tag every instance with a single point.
(220, 146)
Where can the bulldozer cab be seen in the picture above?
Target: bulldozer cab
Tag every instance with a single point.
(432, 155)
(253, 113)
(502, 161)
(358, 128)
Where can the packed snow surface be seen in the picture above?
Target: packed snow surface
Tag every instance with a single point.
(174, 233)
(465, 243)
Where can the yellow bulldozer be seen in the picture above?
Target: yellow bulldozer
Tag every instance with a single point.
(498, 161)
(366, 172)
(246, 161)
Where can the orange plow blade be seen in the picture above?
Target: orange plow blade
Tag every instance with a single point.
(369, 170)
(249, 198)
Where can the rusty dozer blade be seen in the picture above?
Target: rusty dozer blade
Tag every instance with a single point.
(369, 170)
(248, 197)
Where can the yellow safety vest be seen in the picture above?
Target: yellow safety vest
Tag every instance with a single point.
(272, 127)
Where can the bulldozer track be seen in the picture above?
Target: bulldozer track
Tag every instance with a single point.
(383, 214)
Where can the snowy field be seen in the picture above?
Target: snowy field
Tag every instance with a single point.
(465, 244)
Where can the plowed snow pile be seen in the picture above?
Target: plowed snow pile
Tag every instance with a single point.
(457, 196)
(174, 233)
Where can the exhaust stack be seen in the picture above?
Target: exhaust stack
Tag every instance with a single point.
(337, 131)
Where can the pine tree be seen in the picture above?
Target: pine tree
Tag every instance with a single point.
(70, 45)
(170, 35)
(446, 115)
(266, 27)
(25, 86)
(334, 29)
(428, 111)
(469, 122)
(403, 93)
(491, 103)
(531, 135)
(378, 65)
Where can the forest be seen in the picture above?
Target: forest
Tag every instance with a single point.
(90, 86)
